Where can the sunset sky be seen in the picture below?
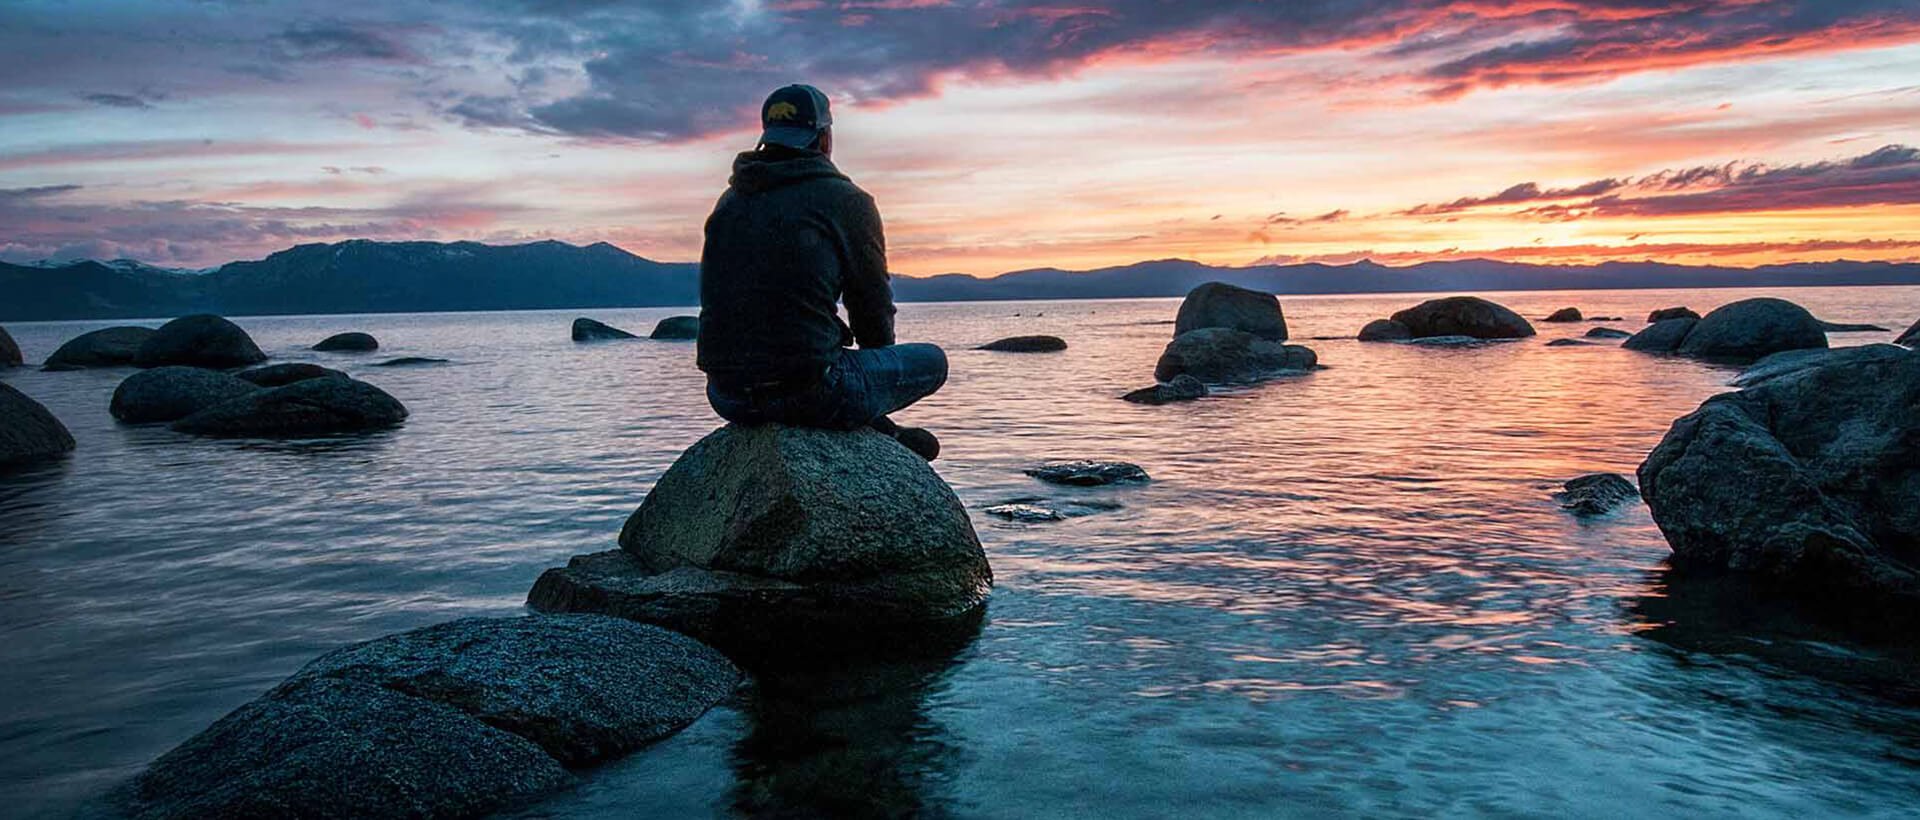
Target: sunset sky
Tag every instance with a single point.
(995, 135)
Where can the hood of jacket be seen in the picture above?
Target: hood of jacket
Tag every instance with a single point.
(767, 169)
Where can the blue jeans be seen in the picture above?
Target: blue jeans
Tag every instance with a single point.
(860, 387)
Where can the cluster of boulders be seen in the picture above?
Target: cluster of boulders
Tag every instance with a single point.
(1453, 319)
(1809, 477)
(672, 328)
(1224, 334)
(1740, 331)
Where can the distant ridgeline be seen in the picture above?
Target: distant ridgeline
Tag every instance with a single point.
(363, 276)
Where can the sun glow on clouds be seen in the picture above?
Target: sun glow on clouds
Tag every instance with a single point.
(1514, 133)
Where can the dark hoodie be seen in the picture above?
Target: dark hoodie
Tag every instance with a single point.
(791, 237)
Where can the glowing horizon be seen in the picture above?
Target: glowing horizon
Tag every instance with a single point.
(996, 136)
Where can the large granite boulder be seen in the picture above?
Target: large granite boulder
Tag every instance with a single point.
(106, 347)
(1385, 330)
(1218, 355)
(201, 340)
(1663, 336)
(27, 431)
(1788, 362)
(350, 342)
(313, 407)
(677, 329)
(456, 720)
(1664, 314)
(1218, 304)
(1810, 479)
(772, 538)
(1026, 344)
(1911, 338)
(9, 350)
(588, 330)
(285, 373)
(1752, 328)
(1566, 315)
(1463, 316)
(173, 393)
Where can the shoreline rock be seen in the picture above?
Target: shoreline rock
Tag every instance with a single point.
(1911, 338)
(200, 340)
(589, 330)
(1026, 344)
(1220, 305)
(350, 342)
(106, 347)
(28, 431)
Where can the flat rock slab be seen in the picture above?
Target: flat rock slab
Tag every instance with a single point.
(1089, 473)
(1789, 362)
(1569, 343)
(28, 432)
(1608, 333)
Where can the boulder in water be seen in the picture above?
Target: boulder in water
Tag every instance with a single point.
(1181, 388)
(1463, 316)
(9, 350)
(1220, 305)
(106, 347)
(280, 375)
(1663, 336)
(588, 330)
(1596, 493)
(1026, 344)
(314, 407)
(1219, 355)
(1385, 330)
(410, 361)
(1664, 314)
(771, 538)
(1752, 328)
(1569, 343)
(201, 340)
(677, 328)
(1025, 513)
(1608, 333)
(1085, 473)
(27, 431)
(173, 393)
(1810, 479)
(352, 342)
(1566, 315)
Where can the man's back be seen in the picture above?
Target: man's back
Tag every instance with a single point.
(789, 239)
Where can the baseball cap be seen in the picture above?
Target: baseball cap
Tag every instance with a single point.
(794, 116)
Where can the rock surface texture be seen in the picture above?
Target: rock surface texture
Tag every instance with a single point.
(588, 330)
(27, 431)
(1217, 304)
(775, 538)
(677, 328)
(201, 340)
(1218, 355)
(1089, 473)
(1810, 479)
(106, 347)
(455, 720)
(314, 407)
(351, 342)
(173, 393)
(1463, 316)
(1596, 493)
(1026, 344)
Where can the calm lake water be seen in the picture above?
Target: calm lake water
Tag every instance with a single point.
(1347, 593)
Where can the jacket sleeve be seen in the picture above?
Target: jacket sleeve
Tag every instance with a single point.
(865, 287)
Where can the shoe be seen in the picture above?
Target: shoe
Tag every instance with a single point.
(921, 442)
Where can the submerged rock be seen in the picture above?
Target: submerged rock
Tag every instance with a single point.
(1220, 305)
(409, 361)
(588, 330)
(1463, 316)
(1181, 388)
(106, 347)
(9, 350)
(1810, 479)
(280, 375)
(1608, 333)
(27, 431)
(201, 340)
(1029, 513)
(1664, 314)
(1596, 493)
(583, 687)
(1088, 473)
(1663, 336)
(1452, 341)
(1569, 343)
(1841, 327)
(1026, 344)
(1566, 315)
(1789, 362)
(314, 407)
(1385, 330)
(769, 538)
(351, 342)
(1219, 355)
(677, 328)
(173, 393)
(1752, 328)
